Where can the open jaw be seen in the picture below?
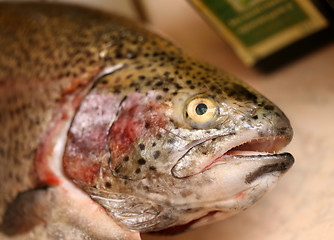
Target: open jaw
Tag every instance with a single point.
(234, 149)
(264, 148)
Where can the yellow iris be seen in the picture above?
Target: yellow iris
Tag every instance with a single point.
(201, 111)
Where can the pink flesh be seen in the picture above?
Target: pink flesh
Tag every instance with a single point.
(87, 137)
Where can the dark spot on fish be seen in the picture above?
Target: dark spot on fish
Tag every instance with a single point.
(141, 77)
(192, 87)
(154, 144)
(171, 140)
(261, 104)
(126, 158)
(185, 193)
(231, 93)
(138, 170)
(159, 97)
(283, 129)
(129, 76)
(117, 90)
(108, 185)
(178, 86)
(255, 117)
(269, 107)
(141, 161)
(156, 154)
(147, 125)
(104, 81)
(188, 82)
(278, 114)
(219, 91)
(165, 89)
(118, 168)
(159, 136)
(118, 55)
(142, 146)
(152, 168)
(158, 84)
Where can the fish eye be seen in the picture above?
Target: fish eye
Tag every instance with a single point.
(201, 111)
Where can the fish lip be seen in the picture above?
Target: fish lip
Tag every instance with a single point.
(280, 163)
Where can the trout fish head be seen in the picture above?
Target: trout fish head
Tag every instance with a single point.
(176, 148)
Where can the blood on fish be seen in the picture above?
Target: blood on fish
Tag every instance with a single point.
(132, 123)
(87, 144)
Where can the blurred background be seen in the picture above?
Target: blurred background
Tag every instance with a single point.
(301, 207)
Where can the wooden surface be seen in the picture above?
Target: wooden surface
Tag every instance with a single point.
(301, 207)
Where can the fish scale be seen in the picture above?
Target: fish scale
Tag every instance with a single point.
(95, 111)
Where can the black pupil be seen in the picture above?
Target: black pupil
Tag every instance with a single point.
(201, 109)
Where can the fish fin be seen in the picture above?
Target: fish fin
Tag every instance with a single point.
(24, 213)
(131, 211)
(56, 213)
(76, 216)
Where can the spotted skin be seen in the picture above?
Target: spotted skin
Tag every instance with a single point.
(129, 145)
(41, 74)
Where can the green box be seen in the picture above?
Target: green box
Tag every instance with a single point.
(258, 28)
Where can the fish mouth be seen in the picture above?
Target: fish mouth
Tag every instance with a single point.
(264, 150)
